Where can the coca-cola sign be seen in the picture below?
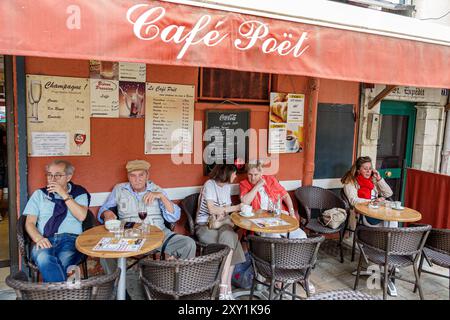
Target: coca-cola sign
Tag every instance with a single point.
(148, 24)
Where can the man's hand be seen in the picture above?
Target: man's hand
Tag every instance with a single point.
(108, 215)
(43, 243)
(53, 187)
(149, 197)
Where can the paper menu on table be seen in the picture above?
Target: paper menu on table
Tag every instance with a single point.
(269, 222)
(120, 245)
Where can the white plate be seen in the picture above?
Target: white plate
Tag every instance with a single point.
(247, 215)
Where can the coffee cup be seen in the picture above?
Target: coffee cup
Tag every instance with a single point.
(291, 142)
(398, 204)
(246, 209)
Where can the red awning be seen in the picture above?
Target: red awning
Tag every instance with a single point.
(157, 32)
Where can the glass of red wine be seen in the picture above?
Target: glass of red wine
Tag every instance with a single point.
(142, 212)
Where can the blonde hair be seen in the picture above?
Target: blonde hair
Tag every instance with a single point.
(254, 164)
(350, 175)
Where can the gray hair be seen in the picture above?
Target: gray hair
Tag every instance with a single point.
(68, 167)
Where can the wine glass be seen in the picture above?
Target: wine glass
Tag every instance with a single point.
(79, 138)
(35, 95)
(142, 212)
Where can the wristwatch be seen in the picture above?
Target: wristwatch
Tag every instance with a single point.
(68, 198)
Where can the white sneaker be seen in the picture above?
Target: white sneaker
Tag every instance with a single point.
(391, 289)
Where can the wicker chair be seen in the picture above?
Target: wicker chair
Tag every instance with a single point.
(95, 288)
(25, 246)
(193, 279)
(349, 207)
(190, 206)
(286, 260)
(437, 251)
(310, 198)
(391, 248)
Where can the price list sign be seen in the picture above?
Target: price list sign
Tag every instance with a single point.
(169, 118)
(58, 116)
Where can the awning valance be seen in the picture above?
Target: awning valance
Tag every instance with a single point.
(158, 32)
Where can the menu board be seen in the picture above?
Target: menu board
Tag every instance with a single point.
(104, 98)
(286, 122)
(58, 116)
(225, 139)
(169, 118)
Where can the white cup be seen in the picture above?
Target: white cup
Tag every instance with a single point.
(398, 204)
(246, 209)
(291, 141)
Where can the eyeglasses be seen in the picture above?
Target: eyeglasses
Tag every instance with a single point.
(57, 176)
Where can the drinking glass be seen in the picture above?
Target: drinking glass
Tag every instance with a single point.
(35, 94)
(79, 138)
(142, 212)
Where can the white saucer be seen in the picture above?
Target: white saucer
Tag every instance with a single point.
(246, 215)
(373, 207)
(399, 208)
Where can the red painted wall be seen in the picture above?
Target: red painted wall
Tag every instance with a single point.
(115, 141)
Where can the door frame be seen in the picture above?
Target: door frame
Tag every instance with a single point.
(403, 108)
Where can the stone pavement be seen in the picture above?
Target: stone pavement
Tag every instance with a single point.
(329, 274)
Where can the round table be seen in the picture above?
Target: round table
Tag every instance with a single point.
(246, 223)
(87, 240)
(388, 214)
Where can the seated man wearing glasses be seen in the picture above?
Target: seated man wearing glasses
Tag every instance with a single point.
(123, 203)
(54, 220)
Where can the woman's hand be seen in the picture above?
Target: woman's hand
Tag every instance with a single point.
(376, 174)
(260, 183)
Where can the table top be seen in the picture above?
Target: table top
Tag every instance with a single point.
(245, 223)
(87, 240)
(389, 214)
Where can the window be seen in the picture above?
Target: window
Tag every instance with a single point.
(221, 84)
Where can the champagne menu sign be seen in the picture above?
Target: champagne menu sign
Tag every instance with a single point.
(58, 116)
(169, 118)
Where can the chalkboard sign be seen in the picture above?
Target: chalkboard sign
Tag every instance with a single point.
(334, 140)
(225, 138)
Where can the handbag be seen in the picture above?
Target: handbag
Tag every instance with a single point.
(333, 218)
(215, 222)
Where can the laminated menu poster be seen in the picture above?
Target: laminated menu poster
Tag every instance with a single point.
(119, 245)
(169, 118)
(58, 116)
(286, 122)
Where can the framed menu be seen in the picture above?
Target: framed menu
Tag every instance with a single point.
(58, 116)
(169, 118)
(286, 122)
(226, 140)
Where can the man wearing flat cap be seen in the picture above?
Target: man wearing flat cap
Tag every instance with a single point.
(122, 203)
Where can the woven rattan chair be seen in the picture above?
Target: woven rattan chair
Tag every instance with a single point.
(25, 246)
(193, 279)
(95, 288)
(285, 260)
(310, 198)
(343, 295)
(437, 251)
(190, 205)
(391, 248)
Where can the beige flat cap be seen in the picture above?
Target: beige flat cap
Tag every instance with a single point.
(137, 165)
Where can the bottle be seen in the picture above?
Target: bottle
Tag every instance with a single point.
(278, 207)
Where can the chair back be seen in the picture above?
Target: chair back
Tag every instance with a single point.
(345, 199)
(95, 288)
(23, 240)
(282, 253)
(439, 240)
(189, 206)
(195, 278)
(394, 241)
(90, 221)
(310, 197)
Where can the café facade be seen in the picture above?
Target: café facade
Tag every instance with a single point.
(231, 57)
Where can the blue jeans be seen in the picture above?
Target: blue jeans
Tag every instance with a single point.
(53, 262)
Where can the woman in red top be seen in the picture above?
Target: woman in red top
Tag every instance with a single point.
(260, 191)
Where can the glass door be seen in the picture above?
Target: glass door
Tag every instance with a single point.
(395, 145)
